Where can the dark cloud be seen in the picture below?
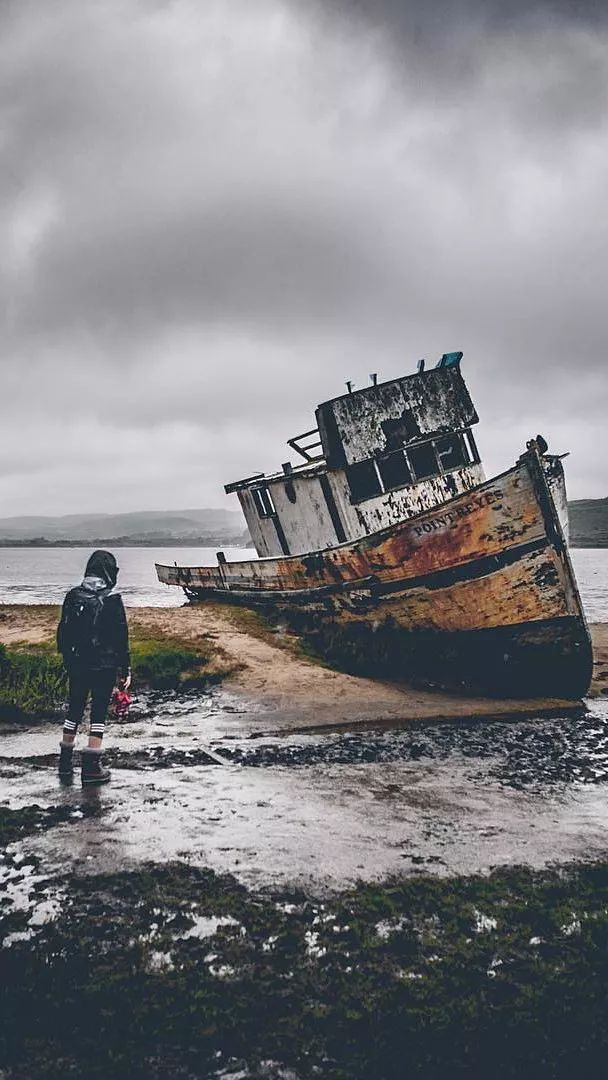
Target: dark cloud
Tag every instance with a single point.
(212, 215)
(438, 21)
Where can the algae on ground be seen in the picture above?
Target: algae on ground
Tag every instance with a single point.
(186, 973)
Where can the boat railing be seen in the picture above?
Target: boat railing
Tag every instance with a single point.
(305, 451)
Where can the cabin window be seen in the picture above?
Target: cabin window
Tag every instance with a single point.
(452, 452)
(395, 471)
(263, 502)
(404, 467)
(423, 460)
(363, 480)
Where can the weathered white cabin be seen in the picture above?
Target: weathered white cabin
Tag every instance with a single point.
(377, 456)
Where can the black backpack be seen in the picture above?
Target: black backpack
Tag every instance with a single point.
(80, 625)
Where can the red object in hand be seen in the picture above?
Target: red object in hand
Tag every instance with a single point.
(121, 702)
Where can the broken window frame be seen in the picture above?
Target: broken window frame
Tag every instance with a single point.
(411, 450)
(470, 454)
(389, 460)
(456, 438)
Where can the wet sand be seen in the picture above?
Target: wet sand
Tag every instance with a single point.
(318, 811)
(293, 692)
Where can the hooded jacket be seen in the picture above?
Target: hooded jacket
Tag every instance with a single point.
(111, 648)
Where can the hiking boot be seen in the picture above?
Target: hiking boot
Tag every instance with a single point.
(66, 762)
(93, 771)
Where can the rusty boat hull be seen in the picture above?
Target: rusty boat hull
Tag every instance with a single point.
(477, 593)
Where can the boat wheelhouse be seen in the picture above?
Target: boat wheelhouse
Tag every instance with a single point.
(378, 455)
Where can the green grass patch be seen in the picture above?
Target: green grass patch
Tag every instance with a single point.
(166, 665)
(33, 680)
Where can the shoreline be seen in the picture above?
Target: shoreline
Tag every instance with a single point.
(288, 691)
(126, 542)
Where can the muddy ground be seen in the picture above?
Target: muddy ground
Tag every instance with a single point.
(251, 897)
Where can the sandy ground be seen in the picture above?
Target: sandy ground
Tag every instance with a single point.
(296, 693)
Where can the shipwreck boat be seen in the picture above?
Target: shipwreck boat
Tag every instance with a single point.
(389, 547)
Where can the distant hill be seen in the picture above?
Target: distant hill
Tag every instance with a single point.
(589, 522)
(146, 527)
(588, 527)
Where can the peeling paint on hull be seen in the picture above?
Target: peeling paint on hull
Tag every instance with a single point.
(478, 593)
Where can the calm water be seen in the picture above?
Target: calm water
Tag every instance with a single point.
(42, 575)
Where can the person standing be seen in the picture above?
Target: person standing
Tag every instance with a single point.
(93, 639)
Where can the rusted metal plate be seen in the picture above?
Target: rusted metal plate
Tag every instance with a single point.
(530, 588)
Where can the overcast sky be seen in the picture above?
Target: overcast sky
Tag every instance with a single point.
(213, 214)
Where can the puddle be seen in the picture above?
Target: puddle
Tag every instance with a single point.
(320, 828)
(204, 926)
(321, 811)
(28, 902)
(179, 719)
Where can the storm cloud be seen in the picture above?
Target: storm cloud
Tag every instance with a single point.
(213, 215)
